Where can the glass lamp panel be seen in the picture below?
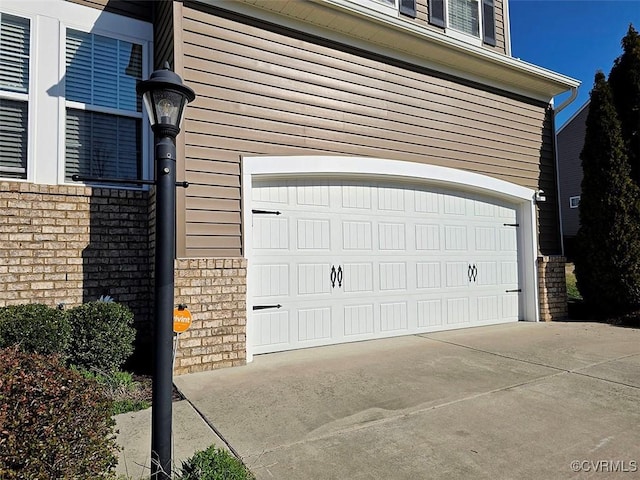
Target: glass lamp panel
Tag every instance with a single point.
(167, 106)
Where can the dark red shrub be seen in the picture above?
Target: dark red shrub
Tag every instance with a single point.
(53, 422)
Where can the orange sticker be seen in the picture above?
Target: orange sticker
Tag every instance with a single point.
(181, 320)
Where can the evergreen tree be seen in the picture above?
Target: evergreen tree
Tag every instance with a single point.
(624, 80)
(607, 263)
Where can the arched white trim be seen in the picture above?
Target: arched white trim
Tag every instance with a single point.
(367, 167)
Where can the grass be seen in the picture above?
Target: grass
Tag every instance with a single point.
(573, 294)
(128, 394)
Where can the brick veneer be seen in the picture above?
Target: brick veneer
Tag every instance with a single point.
(214, 291)
(71, 244)
(552, 288)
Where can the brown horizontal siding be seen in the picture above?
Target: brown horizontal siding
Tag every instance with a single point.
(141, 10)
(261, 92)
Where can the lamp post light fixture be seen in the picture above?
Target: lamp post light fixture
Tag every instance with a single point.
(165, 97)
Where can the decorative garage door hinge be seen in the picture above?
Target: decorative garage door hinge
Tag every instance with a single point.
(264, 307)
(511, 224)
(517, 290)
(266, 212)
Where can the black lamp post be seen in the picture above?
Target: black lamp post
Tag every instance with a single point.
(165, 97)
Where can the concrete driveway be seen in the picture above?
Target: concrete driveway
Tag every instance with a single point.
(515, 401)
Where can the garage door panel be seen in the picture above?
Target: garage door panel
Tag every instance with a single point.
(509, 273)
(313, 234)
(314, 324)
(485, 239)
(358, 277)
(456, 274)
(271, 280)
(314, 278)
(428, 275)
(393, 276)
(391, 199)
(271, 329)
(404, 260)
(487, 308)
(270, 233)
(455, 238)
(357, 235)
(429, 313)
(427, 202)
(393, 316)
(458, 310)
(356, 197)
(391, 236)
(312, 195)
(359, 319)
(487, 274)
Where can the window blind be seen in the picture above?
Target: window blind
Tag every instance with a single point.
(14, 53)
(102, 71)
(14, 78)
(101, 145)
(463, 16)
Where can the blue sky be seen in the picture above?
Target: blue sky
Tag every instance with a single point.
(572, 37)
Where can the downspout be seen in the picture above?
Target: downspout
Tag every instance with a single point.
(562, 106)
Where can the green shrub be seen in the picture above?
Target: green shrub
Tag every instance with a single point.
(102, 335)
(54, 423)
(214, 464)
(34, 328)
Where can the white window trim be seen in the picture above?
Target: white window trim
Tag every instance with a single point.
(574, 202)
(457, 34)
(49, 21)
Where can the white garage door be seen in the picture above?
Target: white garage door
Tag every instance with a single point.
(336, 261)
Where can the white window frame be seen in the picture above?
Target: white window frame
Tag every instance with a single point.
(465, 37)
(574, 202)
(49, 21)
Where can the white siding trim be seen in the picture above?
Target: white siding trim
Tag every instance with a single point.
(363, 167)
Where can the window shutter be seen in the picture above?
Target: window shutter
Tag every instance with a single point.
(436, 13)
(488, 23)
(408, 7)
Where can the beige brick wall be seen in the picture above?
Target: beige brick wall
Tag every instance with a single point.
(71, 244)
(214, 291)
(552, 288)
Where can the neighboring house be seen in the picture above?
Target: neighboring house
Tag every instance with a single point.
(357, 169)
(569, 142)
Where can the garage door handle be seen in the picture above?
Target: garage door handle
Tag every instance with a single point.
(517, 290)
(333, 276)
(339, 276)
(472, 273)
